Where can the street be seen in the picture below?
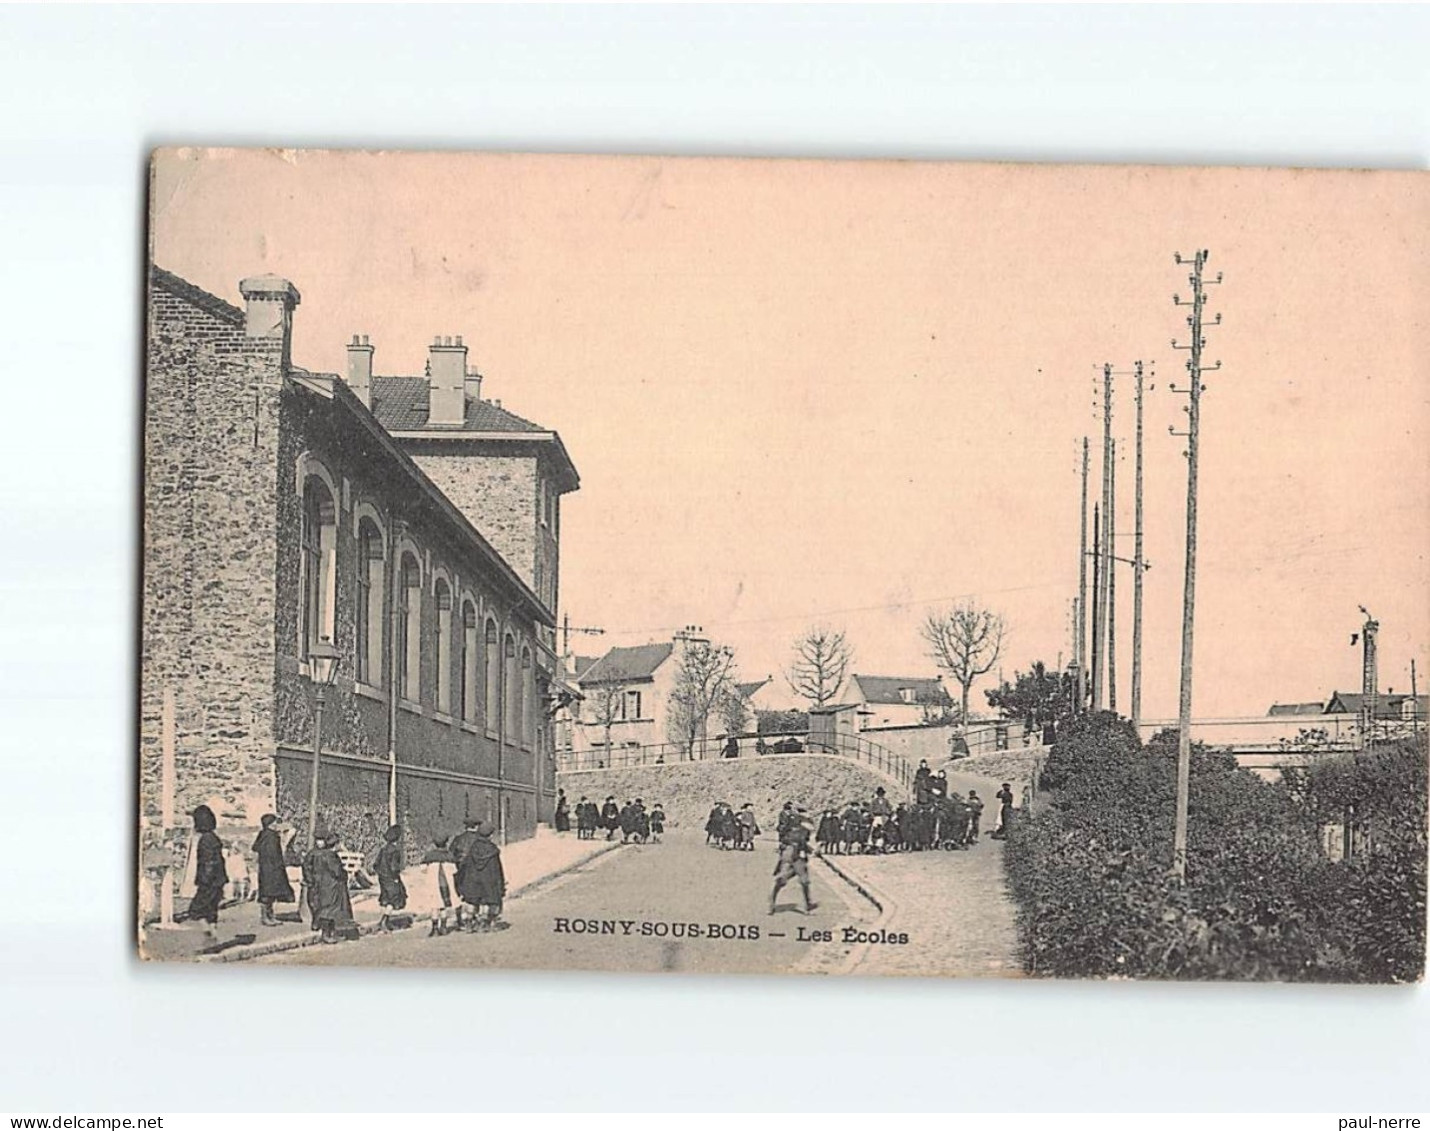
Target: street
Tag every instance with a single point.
(623, 911)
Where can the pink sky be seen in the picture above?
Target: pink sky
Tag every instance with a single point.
(804, 391)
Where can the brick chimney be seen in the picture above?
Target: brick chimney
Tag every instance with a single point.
(447, 381)
(270, 302)
(360, 369)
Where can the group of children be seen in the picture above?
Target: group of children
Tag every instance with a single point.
(729, 828)
(458, 878)
(635, 823)
(863, 827)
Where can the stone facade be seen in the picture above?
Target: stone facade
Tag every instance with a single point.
(210, 545)
(234, 436)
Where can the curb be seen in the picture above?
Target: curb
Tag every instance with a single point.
(886, 906)
(298, 942)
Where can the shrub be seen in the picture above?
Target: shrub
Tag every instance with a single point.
(1090, 870)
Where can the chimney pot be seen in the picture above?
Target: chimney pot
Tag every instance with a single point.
(360, 369)
(269, 303)
(447, 382)
(459, 339)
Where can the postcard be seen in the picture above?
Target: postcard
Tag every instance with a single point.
(784, 566)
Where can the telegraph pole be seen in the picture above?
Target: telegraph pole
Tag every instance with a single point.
(1099, 626)
(1096, 607)
(1137, 570)
(1195, 369)
(1080, 632)
(1112, 581)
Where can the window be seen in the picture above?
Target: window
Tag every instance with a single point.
(469, 662)
(409, 630)
(906, 694)
(491, 657)
(318, 541)
(631, 709)
(528, 698)
(444, 646)
(370, 565)
(511, 688)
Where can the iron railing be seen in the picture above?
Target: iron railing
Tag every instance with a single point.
(852, 746)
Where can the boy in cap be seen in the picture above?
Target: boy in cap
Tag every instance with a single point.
(794, 859)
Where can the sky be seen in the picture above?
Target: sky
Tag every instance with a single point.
(850, 393)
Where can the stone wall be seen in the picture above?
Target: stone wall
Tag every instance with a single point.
(688, 790)
(210, 448)
(498, 494)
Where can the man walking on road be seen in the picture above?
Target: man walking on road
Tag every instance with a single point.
(794, 860)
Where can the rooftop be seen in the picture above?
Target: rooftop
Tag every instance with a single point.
(620, 665)
(888, 688)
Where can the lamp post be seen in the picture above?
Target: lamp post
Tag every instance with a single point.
(322, 668)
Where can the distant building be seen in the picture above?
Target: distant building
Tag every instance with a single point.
(1283, 710)
(898, 701)
(402, 521)
(1389, 707)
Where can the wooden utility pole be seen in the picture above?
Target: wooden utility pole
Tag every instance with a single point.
(1112, 581)
(1195, 369)
(1099, 626)
(1080, 630)
(1414, 702)
(1138, 568)
(1096, 607)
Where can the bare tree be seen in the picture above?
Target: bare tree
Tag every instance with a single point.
(821, 661)
(733, 710)
(965, 642)
(705, 675)
(608, 702)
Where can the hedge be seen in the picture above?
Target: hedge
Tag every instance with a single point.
(1089, 869)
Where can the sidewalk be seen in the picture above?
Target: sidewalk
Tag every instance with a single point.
(527, 863)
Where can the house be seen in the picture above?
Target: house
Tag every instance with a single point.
(898, 701)
(626, 697)
(401, 522)
(1389, 706)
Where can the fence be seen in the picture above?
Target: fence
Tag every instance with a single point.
(671, 753)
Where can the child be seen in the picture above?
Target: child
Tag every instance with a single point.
(273, 883)
(432, 886)
(327, 882)
(657, 822)
(391, 893)
(975, 812)
(210, 876)
(480, 879)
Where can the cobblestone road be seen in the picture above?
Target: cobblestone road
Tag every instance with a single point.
(953, 906)
(678, 883)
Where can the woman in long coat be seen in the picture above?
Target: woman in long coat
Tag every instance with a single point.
(327, 881)
(563, 812)
(210, 875)
(273, 885)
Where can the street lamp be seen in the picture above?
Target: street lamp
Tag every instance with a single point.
(322, 668)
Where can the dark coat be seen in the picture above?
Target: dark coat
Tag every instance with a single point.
(210, 876)
(392, 893)
(480, 878)
(272, 874)
(563, 816)
(327, 881)
(610, 815)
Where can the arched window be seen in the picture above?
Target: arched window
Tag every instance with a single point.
(528, 698)
(469, 662)
(491, 657)
(444, 646)
(409, 630)
(511, 688)
(371, 564)
(318, 540)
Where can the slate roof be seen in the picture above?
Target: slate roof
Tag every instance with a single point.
(401, 404)
(1281, 709)
(580, 664)
(622, 665)
(885, 689)
(748, 689)
(1388, 706)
